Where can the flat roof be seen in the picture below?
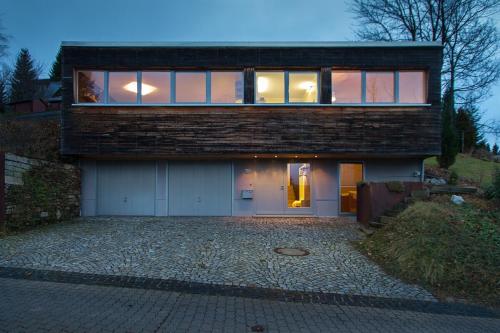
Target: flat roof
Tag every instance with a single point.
(252, 44)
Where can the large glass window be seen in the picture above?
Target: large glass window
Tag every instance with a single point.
(190, 87)
(299, 185)
(122, 87)
(412, 87)
(350, 175)
(155, 87)
(226, 87)
(380, 87)
(270, 87)
(346, 86)
(90, 87)
(303, 87)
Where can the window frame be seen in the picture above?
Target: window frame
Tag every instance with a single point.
(286, 86)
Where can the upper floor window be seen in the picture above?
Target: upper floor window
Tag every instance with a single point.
(190, 87)
(276, 87)
(90, 87)
(380, 87)
(226, 87)
(156, 87)
(122, 87)
(346, 86)
(412, 87)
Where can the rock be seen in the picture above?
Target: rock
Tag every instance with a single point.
(457, 199)
(437, 181)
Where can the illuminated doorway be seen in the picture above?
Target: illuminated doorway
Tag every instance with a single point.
(299, 185)
(350, 175)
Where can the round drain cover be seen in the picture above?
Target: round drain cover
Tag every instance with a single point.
(291, 251)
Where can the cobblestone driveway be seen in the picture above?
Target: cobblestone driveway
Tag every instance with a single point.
(232, 251)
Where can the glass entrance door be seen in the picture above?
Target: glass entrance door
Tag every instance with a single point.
(299, 187)
(350, 175)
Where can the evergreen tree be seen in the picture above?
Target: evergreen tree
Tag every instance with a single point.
(494, 150)
(449, 138)
(3, 96)
(467, 123)
(55, 70)
(23, 80)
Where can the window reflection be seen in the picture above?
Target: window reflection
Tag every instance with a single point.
(346, 86)
(379, 87)
(299, 188)
(90, 87)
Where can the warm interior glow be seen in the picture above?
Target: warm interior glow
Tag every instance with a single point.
(298, 187)
(262, 84)
(308, 86)
(350, 175)
(146, 88)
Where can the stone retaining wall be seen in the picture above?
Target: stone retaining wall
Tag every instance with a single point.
(36, 191)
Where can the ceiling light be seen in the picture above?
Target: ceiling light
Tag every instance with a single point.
(296, 156)
(262, 84)
(315, 155)
(255, 156)
(146, 88)
(275, 156)
(307, 86)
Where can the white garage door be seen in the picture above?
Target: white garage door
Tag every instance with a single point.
(126, 188)
(199, 189)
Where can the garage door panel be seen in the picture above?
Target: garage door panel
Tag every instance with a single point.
(126, 188)
(202, 189)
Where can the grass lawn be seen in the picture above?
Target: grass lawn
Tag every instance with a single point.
(470, 168)
(452, 250)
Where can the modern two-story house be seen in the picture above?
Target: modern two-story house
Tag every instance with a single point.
(221, 129)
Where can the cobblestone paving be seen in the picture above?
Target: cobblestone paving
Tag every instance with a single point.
(230, 251)
(33, 306)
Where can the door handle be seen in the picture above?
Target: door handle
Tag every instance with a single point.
(282, 187)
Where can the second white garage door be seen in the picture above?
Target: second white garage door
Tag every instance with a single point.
(199, 189)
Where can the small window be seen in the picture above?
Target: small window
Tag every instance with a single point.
(190, 87)
(380, 87)
(155, 87)
(350, 175)
(346, 86)
(226, 87)
(412, 87)
(90, 87)
(122, 87)
(270, 87)
(303, 87)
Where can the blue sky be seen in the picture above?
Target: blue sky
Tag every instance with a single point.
(40, 26)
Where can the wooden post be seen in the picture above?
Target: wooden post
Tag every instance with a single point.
(2, 193)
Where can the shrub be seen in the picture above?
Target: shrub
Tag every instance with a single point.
(453, 179)
(453, 250)
(493, 191)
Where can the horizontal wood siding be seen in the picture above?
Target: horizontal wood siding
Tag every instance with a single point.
(198, 131)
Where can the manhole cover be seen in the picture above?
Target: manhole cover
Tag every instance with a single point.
(291, 251)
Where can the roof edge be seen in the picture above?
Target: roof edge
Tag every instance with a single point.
(339, 44)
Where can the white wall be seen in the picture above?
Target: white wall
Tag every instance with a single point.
(325, 187)
(245, 176)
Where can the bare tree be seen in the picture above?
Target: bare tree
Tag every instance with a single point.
(4, 39)
(464, 27)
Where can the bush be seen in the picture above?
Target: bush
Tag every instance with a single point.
(453, 250)
(453, 179)
(493, 191)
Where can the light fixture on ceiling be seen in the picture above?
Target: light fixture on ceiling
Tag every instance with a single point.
(316, 156)
(255, 156)
(262, 84)
(275, 156)
(146, 89)
(308, 86)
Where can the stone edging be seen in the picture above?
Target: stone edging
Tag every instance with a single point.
(249, 292)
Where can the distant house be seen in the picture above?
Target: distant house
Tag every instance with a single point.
(49, 99)
(246, 128)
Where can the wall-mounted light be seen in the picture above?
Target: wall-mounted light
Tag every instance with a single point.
(146, 89)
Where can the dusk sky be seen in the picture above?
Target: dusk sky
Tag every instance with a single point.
(40, 26)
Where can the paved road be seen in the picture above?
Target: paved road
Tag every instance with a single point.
(35, 306)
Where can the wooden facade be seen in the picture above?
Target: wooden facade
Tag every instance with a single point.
(174, 131)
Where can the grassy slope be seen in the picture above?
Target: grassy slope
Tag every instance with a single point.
(454, 251)
(471, 168)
